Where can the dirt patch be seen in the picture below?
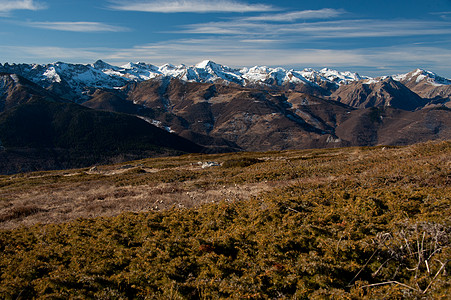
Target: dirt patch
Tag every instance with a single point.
(91, 200)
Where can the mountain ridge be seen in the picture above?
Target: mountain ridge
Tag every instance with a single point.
(39, 130)
(220, 110)
(79, 77)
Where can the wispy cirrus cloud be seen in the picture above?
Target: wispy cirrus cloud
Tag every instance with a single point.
(445, 15)
(373, 61)
(192, 6)
(77, 26)
(324, 29)
(6, 6)
(369, 61)
(369, 28)
(325, 13)
(248, 52)
(46, 54)
(441, 13)
(233, 52)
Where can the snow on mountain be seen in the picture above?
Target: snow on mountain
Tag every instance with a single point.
(265, 75)
(427, 85)
(101, 74)
(172, 71)
(371, 81)
(420, 75)
(76, 77)
(209, 71)
(135, 71)
(15, 78)
(255, 73)
(341, 77)
(80, 77)
(51, 74)
(280, 76)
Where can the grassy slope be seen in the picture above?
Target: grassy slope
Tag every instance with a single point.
(340, 223)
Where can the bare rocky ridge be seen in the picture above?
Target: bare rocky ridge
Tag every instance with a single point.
(370, 93)
(232, 116)
(76, 82)
(429, 86)
(258, 109)
(39, 130)
(16, 90)
(390, 126)
(251, 119)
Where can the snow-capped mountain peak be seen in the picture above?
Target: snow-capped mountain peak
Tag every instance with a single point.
(102, 74)
(137, 65)
(206, 63)
(101, 65)
(420, 75)
(341, 77)
(79, 77)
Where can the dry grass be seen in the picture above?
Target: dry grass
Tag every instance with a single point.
(59, 203)
(181, 182)
(355, 223)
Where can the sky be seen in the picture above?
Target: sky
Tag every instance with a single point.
(372, 38)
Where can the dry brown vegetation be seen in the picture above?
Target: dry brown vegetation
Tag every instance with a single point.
(181, 182)
(61, 196)
(346, 223)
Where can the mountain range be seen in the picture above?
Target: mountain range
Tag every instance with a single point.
(80, 77)
(40, 130)
(209, 108)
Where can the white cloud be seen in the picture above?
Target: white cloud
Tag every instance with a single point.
(46, 54)
(324, 29)
(7, 6)
(441, 13)
(193, 6)
(368, 28)
(325, 13)
(77, 26)
(238, 53)
(445, 15)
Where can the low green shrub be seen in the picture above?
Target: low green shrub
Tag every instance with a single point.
(240, 162)
(365, 224)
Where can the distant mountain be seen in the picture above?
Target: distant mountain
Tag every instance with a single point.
(224, 109)
(76, 81)
(231, 117)
(378, 93)
(40, 131)
(390, 126)
(16, 90)
(73, 80)
(427, 85)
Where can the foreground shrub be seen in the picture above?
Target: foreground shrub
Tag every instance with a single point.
(241, 162)
(373, 235)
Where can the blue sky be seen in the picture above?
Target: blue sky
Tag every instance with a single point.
(370, 37)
